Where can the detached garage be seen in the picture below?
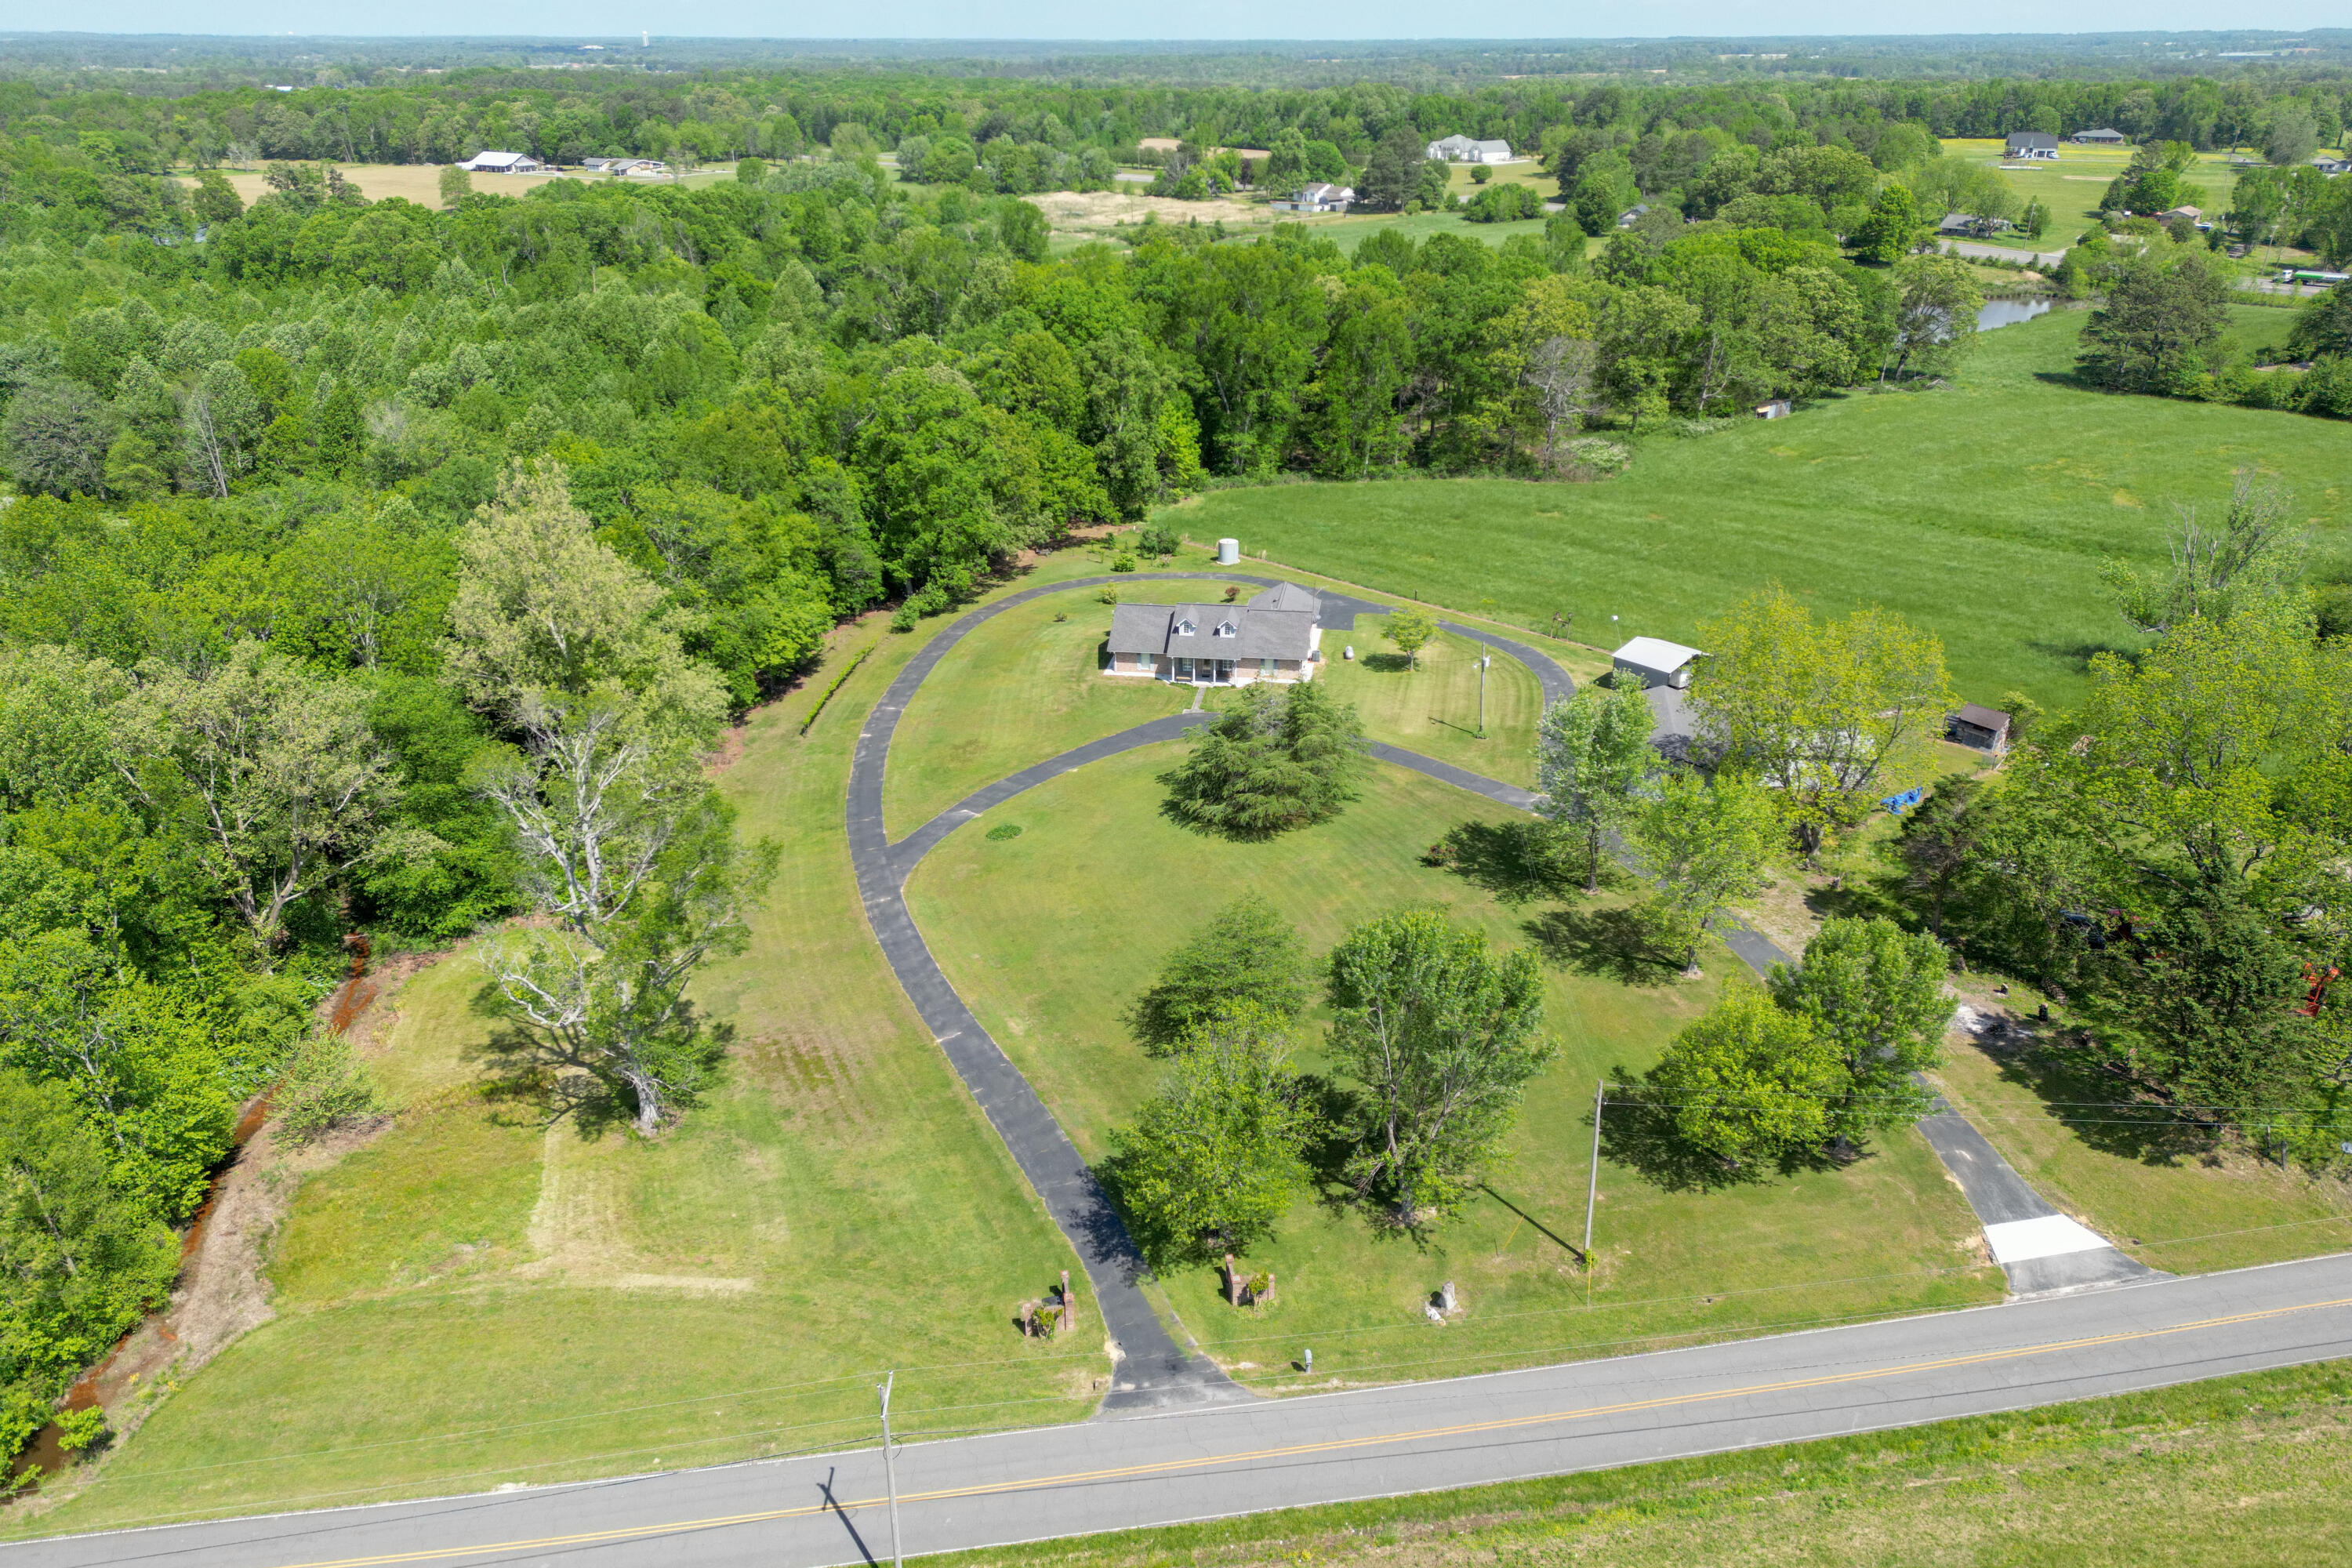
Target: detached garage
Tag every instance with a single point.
(1657, 662)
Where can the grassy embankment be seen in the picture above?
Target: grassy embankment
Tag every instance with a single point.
(2208, 1474)
(1051, 933)
(479, 1298)
(1982, 510)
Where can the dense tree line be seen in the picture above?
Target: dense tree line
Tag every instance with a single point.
(564, 116)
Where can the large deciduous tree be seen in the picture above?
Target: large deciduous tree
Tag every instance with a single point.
(1819, 711)
(624, 846)
(1707, 845)
(1443, 1037)
(2163, 314)
(1874, 994)
(1212, 1160)
(1748, 1080)
(282, 786)
(1593, 764)
(2211, 571)
(1247, 956)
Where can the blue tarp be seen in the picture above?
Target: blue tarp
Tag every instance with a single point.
(1897, 805)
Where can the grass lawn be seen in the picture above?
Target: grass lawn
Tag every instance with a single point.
(1433, 710)
(1349, 230)
(2209, 1475)
(1982, 510)
(473, 1300)
(1024, 686)
(1104, 888)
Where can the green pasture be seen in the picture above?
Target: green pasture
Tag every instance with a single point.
(1051, 933)
(480, 1297)
(1983, 510)
(2072, 186)
(1459, 182)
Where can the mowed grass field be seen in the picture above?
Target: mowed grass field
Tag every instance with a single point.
(1050, 934)
(2248, 1470)
(479, 1298)
(1982, 510)
(2072, 186)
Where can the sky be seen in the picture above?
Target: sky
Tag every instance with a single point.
(1196, 19)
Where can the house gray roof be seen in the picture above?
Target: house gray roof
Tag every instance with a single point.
(1276, 624)
(2032, 139)
(1983, 718)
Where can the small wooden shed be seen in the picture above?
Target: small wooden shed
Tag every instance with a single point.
(1986, 729)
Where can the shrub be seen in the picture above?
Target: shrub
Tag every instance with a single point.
(1123, 561)
(326, 1086)
(1156, 538)
(80, 1431)
(1595, 458)
(1110, 595)
(1480, 173)
(904, 617)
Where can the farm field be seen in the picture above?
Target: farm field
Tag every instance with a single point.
(420, 183)
(1104, 888)
(1983, 510)
(2072, 186)
(2207, 1475)
(624, 1307)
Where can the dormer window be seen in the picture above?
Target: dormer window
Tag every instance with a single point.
(1226, 629)
(1185, 629)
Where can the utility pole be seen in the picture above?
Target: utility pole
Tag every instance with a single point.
(1593, 1187)
(890, 1468)
(1483, 663)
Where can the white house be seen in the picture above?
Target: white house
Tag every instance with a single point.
(1632, 214)
(2101, 137)
(1462, 150)
(501, 163)
(2030, 145)
(1657, 662)
(1324, 198)
(1275, 637)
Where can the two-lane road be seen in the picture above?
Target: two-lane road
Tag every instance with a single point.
(1205, 1462)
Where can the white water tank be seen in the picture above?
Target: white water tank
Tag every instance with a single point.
(1229, 552)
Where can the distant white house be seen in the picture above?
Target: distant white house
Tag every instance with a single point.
(501, 163)
(1632, 214)
(2103, 137)
(1462, 150)
(2030, 145)
(1656, 661)
(2331, 168)
(1323, 198)
(644, 166)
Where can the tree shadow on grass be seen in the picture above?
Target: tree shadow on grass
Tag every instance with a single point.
(2103, 1109)
(1386, 663)
(1613, 943)
(2077, 654)
(531, 1079)
(1513, 860)
(1641, 1136)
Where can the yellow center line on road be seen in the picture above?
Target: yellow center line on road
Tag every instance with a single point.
(1334, 1445)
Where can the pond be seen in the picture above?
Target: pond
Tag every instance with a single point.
(2009, 312)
